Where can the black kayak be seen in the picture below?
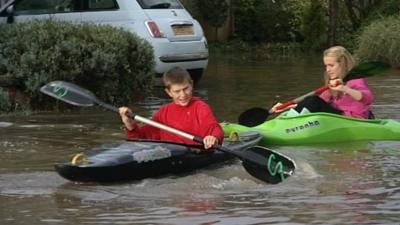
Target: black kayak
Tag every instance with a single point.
(139, 159)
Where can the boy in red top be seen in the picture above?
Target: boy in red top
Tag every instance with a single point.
(185, 113)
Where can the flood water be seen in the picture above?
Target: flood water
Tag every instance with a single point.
(345, 183)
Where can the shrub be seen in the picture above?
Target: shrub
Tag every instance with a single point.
(381, 41)
(5, 104)
(265, 21)
(109, 61)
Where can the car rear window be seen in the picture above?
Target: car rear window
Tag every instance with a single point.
(160, 4)
(31, 7)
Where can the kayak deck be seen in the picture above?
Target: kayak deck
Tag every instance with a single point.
(320, 128)
(139, 159)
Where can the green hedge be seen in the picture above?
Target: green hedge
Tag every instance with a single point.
(381, 41)
(111, 62)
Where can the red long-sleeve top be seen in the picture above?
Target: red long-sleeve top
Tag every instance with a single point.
(195, 118)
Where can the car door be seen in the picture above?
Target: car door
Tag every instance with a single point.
(103, 12)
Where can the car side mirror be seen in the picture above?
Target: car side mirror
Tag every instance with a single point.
(10, 14)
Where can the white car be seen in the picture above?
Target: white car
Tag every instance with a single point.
(176, 37)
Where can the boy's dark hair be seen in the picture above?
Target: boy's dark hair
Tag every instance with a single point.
(176, 75)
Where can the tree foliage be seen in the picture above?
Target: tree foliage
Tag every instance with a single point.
(313, 25)
(215, 12)
(266, 21)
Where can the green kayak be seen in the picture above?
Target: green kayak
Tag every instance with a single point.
(320, 128)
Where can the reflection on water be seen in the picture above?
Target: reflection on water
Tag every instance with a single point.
(348, 183)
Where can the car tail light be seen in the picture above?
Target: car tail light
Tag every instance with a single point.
(153, 29)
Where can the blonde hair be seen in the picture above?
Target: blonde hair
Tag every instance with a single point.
(343, 57)
(176, 75)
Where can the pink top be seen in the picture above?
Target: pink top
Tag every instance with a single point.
(349, 106)
(195, 118)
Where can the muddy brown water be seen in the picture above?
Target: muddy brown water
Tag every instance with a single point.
(347, 183)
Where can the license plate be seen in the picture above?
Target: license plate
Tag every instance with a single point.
(183, 30)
